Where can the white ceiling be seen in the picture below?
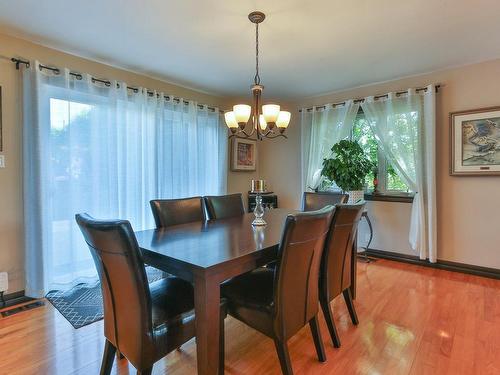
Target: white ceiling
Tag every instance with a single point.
(307, 47)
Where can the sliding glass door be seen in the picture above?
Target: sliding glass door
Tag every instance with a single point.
(106, 151)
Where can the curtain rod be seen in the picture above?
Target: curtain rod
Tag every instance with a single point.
(362, 100)
(106, 82)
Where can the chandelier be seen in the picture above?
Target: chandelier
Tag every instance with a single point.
(266, 121)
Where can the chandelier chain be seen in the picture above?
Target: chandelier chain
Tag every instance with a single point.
(257, 76)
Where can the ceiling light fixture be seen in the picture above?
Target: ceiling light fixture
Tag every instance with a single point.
(266, 121)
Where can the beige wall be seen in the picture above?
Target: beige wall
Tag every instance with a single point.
(468, 207)
(11, 236)
(279, 162)
(239, 182)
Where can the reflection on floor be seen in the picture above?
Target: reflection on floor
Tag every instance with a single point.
(413, 320)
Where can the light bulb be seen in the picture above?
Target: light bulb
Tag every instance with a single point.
(230, 120)
(270, 112)
(262, 122)
(283, 119)
(242, 113)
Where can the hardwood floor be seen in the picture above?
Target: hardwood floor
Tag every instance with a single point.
(413, 320)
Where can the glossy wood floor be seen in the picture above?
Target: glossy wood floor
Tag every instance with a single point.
(413, 320)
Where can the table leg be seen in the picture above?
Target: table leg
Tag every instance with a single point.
(371, 232)
(365, 258)
(207, 310)
(354, 266)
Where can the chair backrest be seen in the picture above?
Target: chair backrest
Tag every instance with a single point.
(335, 275)
(297, 270)
(316, 201)
(169, 212)
(125, 290)
(223, 206)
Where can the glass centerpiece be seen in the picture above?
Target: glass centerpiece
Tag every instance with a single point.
(258, 187)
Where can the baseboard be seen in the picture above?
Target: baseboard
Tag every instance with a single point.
(21, 307)
(15, 298)
(14, 295)
(492, 273)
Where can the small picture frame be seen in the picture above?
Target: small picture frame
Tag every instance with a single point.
(475, 142)
(243, 154)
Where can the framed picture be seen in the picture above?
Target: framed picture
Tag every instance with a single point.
(243, 154)
(475, 142)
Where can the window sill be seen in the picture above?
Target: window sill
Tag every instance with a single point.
(402, 198)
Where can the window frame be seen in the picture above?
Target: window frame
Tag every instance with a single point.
(384, 194)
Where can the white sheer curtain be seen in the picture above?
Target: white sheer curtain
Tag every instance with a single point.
(105, 150)
(404, 127)
(320, 130)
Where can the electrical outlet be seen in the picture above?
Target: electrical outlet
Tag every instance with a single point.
(2, 161)
(4, 281)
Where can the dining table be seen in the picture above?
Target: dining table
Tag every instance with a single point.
(207, 253)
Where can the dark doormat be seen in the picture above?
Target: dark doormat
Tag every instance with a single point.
(82, 304)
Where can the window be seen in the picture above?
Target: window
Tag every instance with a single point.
(389, 181)
(67, 167)
(110, 161)
(106, 151)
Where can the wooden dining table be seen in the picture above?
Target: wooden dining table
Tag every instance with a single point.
(206, 254)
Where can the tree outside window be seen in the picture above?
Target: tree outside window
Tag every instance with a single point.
(389, 180)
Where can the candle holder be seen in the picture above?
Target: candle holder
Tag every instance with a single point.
(258, 212)
(258, 187)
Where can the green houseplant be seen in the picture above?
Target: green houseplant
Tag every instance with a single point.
(348, 167)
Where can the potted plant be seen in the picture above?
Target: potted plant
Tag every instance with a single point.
(348, 167)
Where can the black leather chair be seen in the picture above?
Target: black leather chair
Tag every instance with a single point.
(144, 322)
(315, 201)
(224, 206)
(169, 212)
(335, 274)
(279, 301)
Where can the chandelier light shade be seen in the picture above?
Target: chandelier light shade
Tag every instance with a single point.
(242, 113)
(263, 121)
(271, 112)
(231, 120)
(283, 119)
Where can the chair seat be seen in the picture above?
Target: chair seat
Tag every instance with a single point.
(172, 301)
(250, 298)
(172, 309)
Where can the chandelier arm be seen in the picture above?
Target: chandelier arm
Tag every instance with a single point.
(256, 112)
(251, 133)
(275, 136)
(270, 131)
(246, 135)
(238, 135)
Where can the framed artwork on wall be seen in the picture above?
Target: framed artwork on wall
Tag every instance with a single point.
(475, 142)
(243, 154)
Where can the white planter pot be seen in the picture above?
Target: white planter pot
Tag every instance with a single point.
(355, 196)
